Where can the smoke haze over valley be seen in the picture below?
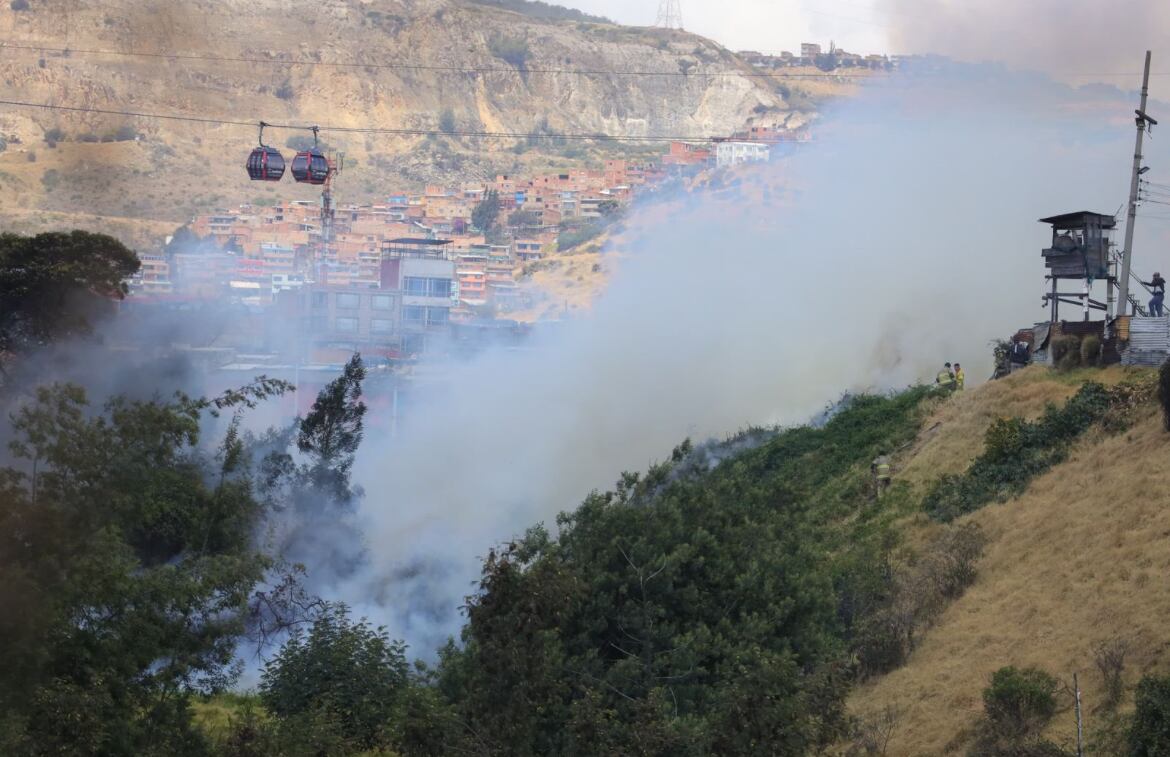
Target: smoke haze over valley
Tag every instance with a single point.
(905, 236)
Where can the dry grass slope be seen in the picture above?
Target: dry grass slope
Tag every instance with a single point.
(1079, 558)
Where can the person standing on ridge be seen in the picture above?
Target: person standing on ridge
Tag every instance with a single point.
(1158, 288)
(1018, 356)
(945, 378)
(960, 377)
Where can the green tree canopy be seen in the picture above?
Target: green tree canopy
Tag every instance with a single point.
(340, 671)
(486, 211)
(126, 567)
(54, 284)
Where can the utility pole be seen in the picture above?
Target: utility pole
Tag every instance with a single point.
(1143, 122)
(1080, 728)
(669, 14)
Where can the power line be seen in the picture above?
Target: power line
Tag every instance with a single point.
(377, 130)
(67, 51)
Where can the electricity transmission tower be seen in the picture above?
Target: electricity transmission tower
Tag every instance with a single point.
(669, 14)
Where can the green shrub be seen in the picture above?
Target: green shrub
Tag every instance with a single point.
(1004, 440)
(1066, 351)
(512, 50)
(341, 673)
(1016, 451)
(447, 123)
(1150, 733)
(1019, 702)
(1091, 350)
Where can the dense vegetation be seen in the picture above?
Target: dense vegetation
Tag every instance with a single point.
(722, 602)
(54, 285)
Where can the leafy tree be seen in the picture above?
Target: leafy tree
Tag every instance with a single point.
(523, 218)
(608, 207)
(690, 610)
(486, 211)
(1150, 733)
(447, 123)
(332, 431)
(53, 285)
(342, 673)
(126, 567)
(1019, 701)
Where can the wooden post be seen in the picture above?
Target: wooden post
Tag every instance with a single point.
(1080, 728)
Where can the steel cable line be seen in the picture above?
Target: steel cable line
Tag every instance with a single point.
(376, 130)
(5, 45)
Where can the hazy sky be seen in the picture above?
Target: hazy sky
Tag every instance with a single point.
(764, 25)
(1069, 39)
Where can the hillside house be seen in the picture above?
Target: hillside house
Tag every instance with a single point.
(737, 153)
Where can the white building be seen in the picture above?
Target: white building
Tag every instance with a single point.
(735, 153)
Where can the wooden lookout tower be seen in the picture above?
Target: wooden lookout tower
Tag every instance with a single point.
(1080, 251)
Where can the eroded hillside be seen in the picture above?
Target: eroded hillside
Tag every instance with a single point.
(388, 64)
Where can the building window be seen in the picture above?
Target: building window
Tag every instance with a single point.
(318, 324)
(416, 286)
(320, 299)
(414, 314)
(348, 301)
(381, 326)
(346, 325)
(437, 316)
(382, 301)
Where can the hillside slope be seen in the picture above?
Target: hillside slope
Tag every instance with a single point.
(392, 64)
(1076, 560)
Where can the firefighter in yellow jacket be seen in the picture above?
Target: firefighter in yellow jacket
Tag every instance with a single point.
(945, 378)
(960, 377)
(882, 472)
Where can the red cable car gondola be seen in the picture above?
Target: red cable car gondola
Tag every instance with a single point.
(311, 166)
(265, 163)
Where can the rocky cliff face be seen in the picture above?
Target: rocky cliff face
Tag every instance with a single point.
(524, 84)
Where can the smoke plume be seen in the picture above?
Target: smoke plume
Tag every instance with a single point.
(905, 236)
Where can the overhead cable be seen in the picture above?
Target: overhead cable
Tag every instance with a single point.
(379, 130)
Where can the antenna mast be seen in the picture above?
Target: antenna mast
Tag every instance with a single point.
(669, 14)
(1144, 122)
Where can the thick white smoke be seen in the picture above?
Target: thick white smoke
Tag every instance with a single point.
(1073, 40)
(907, 236)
